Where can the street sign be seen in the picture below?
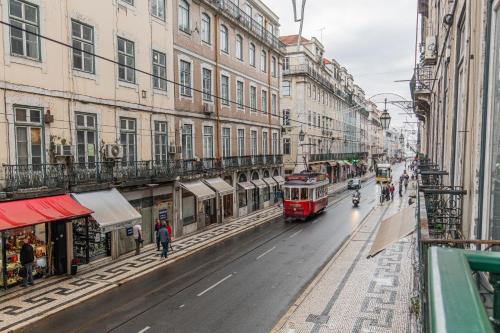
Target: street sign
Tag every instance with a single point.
(130, 231)
(162, 214)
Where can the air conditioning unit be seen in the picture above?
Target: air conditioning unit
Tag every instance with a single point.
(114, 151)
(430, 53)
(64, 150)
(208, 109)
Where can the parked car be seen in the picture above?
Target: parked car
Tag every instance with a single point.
(354, 184)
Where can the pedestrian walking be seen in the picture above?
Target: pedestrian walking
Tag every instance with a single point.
(137, 231)
(169, 229)
(391, 190)
(164, 237)
(406, 182)
(157, 229)
(400, 189)
(27, 258)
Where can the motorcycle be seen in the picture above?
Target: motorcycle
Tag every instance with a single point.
(355, 201)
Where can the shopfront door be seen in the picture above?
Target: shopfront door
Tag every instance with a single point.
(60, 251)
(255, 197)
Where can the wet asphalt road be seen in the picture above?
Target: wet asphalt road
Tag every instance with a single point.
(244, 284)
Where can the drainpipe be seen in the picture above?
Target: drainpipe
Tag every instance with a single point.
(217, 87)
(484, 120)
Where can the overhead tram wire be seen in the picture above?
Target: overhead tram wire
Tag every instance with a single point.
(50, 39)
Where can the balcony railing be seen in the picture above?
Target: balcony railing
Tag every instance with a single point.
(60, 176)
(234, 12)
(337, 156)
(314, 74)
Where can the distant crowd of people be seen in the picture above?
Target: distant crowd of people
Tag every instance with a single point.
(386, 191)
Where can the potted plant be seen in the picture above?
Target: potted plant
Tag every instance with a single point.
(74, 265)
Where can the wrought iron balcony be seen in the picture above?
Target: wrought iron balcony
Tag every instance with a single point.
(240, 17)
(315, 75)
(60, 176)
(336, 156)
(34, 176)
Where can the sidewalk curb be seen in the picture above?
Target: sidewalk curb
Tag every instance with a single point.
(310, 286)
(119, 283)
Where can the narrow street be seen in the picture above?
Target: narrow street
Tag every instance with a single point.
(244, 284)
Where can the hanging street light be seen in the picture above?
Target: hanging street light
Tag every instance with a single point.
(401, 139)
(385, 117)
(301, 135)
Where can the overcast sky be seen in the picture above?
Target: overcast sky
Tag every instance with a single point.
(373, 39)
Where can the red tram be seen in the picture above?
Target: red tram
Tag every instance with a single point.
(305, 194)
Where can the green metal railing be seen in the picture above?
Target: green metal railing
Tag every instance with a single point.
(455, 305)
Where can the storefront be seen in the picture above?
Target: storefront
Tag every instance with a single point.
(244, 188)
(109, 230)
(198, 200)
(271, 196)
(223, 190)
(42, 223)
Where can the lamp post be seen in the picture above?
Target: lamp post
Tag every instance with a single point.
(385, 117)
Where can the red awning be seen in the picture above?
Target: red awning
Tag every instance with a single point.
(22, 213)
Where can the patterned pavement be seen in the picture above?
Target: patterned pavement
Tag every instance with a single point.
(21, 307)
(361, 294)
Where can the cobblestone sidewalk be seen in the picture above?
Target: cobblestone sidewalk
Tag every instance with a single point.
(24, 306)
(354, 293)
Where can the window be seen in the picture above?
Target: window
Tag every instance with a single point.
(253, 98)
(128, 137)
(158, 9)
(224, 39)
(248, 10)
(208, 142)
(206, 32)
(25, 21)
(130, 2)
(184, 16)
(264, 101)
(225, 89)
(161, 141)
(226, 142)
(185, 72)
(285, 88)
(159, 70)
(86, 138)
(126, 60)
(263, 56)
(286, 117)
(83, 40)
(29, 137)
(239, 94)
(275, 144)
(239, 47)
(241, 142)
(286, 64)
(253, 139)
(242, 193)
(274, 104)
(274, 67)
(207, 84)
(187, 141)
(265, 143)
(251, 54)
(287, 146)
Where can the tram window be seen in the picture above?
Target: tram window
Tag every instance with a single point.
(303, 194)
(287, 193)
(295, 194)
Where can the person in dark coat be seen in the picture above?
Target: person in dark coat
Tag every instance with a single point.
(164, 238)
(27, 258)
(157, 229)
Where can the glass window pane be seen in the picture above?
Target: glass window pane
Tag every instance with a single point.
(36, 136)
(21, 114)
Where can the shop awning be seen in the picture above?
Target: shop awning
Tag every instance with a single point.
(259, 183)
(393, 229)
(246, 185)
(23, 213)
(279, 179)
(219, 185)
(269, 181)
(199, 189)
(111, 210)
(341, 163)
(347, 163)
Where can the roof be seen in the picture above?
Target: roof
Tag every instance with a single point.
(326, 61)
(23, 213)
(292, 39)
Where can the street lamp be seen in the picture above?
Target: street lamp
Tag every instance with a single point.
(301, 135)
(385, 117)
(401, 139)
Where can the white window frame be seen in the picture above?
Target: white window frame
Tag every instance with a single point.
(83, 44)
(184, 16)
(251, 54)
(207, 93)
(286, 88)
(21, 22)
(186, 87)
(225, 96)
(226, 142)
(158, 9)
(206, 28)
(126, 54)
(274, 104)
(239, 47)
(253, 98)
(160, 143)
(263, 101)
(263, 61)
(241, 142)
(160, 78)
(224, 39)
(208, 142)
(240, 94)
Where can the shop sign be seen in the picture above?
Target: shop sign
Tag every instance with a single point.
(130, 231)
(162, 214)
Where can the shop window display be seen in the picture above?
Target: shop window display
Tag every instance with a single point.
(89, 242)
(13, 240)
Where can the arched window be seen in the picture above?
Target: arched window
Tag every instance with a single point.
(266, 174)
(276, 173)
(205, 28)
(263, 61)
(251, 54)
(242, 178)
(224, 39)
(255, 175)
(239, 47)
(184, 16)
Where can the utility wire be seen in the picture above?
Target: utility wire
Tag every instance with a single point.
(353, 108)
